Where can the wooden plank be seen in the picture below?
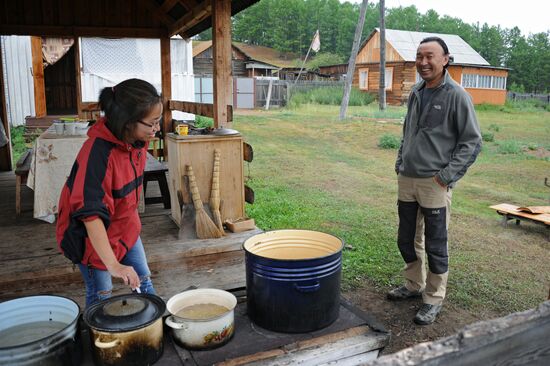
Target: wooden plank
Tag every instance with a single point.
(202, 109)
(516, 339)
(191, 19)
(38, 77)
(221, 46)
(505, 208)
(81, 31)
(166, 76)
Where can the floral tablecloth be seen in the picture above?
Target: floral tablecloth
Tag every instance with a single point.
(51, 164)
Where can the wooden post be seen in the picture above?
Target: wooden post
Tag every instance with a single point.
(166, 78)
(382, 83)
(221, 45)
(38, 76)
(5, 152)
(352, 59)
(77, 66)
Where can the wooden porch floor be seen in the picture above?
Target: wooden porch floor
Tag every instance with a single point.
(30, 263)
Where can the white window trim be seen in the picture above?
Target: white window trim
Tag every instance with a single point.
(390, 85)
(478, 78)
(366, 86)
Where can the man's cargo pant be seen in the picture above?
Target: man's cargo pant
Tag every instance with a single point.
(424, 211)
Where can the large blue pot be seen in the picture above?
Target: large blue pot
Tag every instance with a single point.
(293, 280)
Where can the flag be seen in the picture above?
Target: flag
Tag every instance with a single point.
(316, 43)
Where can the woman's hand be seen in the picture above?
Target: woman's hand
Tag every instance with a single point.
(126, 273)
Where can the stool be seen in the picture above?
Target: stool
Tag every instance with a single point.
(22, 168)
(155, 170)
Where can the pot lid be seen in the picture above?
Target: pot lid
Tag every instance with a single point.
(223, 132)
(124, 312)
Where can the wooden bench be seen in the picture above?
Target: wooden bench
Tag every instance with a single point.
(511, 212)
(156, 170)
(22, 168)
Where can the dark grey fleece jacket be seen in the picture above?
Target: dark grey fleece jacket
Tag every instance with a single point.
(445, 139)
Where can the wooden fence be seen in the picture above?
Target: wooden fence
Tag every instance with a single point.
(545, 98)
(281, 90)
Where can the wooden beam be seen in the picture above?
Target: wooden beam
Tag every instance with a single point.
(38, 77)
(166, 77)
(153, 7)
(5, 152)
(77, 65)
(221, 44)
(202, 109)
(195, 16)
(48, 30)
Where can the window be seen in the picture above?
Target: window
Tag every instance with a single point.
(469, 80)
(364, 79)
(388, 77)
(483, 81)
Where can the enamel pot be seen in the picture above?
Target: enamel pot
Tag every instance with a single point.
(202, 333)
(126, 329)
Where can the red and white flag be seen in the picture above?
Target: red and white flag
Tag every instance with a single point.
(316, 43)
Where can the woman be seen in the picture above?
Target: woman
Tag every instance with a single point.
(98, 225)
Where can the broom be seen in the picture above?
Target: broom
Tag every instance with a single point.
(215, 192)
(206, 229)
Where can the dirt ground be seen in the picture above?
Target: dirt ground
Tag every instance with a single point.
(397, 318)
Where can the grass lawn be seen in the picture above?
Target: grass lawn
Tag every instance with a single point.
(312, 171)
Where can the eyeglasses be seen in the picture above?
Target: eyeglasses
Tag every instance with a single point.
(151, 126)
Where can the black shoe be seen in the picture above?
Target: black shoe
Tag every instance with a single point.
(427, 314)
(401, 293)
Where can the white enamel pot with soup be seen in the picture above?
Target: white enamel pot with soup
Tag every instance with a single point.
(202, 318)
(126, 329)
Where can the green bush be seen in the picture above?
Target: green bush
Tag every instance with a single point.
(330, 95)
(201, 122)
(18, 142)
(389, 141)
(509, 147)
(494, 127)
(488, 136)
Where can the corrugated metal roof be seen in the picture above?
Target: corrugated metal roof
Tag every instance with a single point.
(406, 44)
(256, 53)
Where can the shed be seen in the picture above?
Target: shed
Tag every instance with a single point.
(485, 83)
(247, 60)
(159, 19)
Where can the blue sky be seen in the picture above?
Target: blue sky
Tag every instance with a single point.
(530, 16)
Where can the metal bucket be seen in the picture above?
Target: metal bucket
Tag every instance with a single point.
(40, 330)
(293, 279)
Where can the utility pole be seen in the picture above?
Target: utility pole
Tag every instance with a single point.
(353, 56)
(382, 84)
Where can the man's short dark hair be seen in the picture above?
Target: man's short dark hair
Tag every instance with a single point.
(442, 44)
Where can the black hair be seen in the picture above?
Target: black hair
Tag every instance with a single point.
(126, 103)
(442, 44)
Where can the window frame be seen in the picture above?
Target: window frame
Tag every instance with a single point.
(366, 72)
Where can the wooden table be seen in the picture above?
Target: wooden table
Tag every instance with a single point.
(51, 164)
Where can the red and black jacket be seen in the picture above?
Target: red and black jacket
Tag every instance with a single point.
(105, 182)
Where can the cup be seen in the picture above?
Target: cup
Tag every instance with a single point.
(182, 129)
(70, 128)
(59, 127)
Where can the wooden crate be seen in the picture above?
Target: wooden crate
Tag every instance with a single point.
(198, 151)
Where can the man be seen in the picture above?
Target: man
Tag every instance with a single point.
(441, 139)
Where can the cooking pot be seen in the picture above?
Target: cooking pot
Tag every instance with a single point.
(40, 330)
(293, 279)
(202, 333)
(126, 329)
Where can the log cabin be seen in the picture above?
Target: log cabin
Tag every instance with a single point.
(484, 82)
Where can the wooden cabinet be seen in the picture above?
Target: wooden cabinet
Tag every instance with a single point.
(198, 151)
